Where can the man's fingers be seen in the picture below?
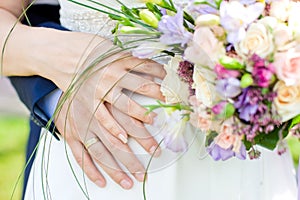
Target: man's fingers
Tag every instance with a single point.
(85, 162)
(124, 155)
(105, 160)
(138, 84)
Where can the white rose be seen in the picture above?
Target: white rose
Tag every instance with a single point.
(294, 16)
(287, 102)
(205, 49)
(205, 90)
(172, 87)
(279, 9)
(258, 40)
(283, 36)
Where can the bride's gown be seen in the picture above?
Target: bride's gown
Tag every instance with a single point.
(191, 176)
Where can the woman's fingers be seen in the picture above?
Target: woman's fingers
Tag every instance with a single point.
(149, 67)
(109, 123)
(136, 129)
(138, 84)
(133, 109)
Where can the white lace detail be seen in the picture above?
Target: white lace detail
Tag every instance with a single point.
(87, 21)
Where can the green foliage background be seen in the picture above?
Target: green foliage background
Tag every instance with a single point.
(13, 138)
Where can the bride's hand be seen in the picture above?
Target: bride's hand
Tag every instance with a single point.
(94, 83)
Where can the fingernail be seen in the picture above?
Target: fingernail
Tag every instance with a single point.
(122, 138)
(140, 176)
(125, 184)
(155, 151)
(151, 116)
(100, 183)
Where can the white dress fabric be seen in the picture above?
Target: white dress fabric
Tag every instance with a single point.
(189, 176)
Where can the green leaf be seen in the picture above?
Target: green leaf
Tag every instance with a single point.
(295, 121)
(271, 139)
(210, 137)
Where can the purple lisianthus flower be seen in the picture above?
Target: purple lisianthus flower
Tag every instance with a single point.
(242, 154)
(225, 73)
(173, 30)
(219, 153)
(229, 87)
(245, 106)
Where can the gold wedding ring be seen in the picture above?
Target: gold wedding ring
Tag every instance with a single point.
(91, 142)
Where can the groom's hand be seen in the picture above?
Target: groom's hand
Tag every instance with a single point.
(93, 145)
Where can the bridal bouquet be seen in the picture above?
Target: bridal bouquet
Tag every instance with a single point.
(233, 72)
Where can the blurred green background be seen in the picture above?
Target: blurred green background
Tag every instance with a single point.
(13, 136)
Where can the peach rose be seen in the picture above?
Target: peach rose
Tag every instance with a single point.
(226, 138)
(287, 66)
(287, 102)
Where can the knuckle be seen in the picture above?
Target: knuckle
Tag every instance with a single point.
(115, 145)
(79, 159)
(98, 153)
(145, 88)
(134, 166)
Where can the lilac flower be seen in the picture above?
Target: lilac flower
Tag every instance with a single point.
(172, 130)
(208, 8)
(173, 30)
(228, 88)
(246, 106)
(235, 17)
(218, 152)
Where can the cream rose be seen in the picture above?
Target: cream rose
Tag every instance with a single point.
(205, 49)
(258, 40)
(287, 102)
(294, 16)
(172, 87)
(283, 36)
(279, 9)
(205, 90)
(287, 66)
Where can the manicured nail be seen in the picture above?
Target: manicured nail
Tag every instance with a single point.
(100, 183)
(151, 116)
(125, 184)
(123, 138)
(155, 150)
(140, 176)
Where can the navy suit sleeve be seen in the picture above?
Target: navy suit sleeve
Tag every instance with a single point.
(34, 88)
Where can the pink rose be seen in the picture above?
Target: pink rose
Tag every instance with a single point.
(226, 138)
(287, 66)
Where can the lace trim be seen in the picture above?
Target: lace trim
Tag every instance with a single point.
(87, 21)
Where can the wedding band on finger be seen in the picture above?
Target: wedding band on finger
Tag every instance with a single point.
(91, 142)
